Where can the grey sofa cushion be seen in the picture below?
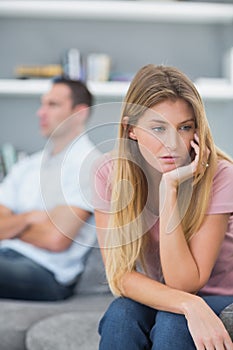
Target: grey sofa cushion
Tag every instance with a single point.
(93, 280)
(91, 295)
(16, 317)
(68, 331)
(72, 331)
(227, 318)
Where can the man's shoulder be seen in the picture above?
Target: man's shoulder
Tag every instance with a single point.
(36, 156)
(84, 142)
(82, 150)
(30, 161)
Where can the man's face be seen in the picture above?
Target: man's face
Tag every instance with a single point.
(56, 106)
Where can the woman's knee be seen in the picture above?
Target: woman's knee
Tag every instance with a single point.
(126, 325)
(171, 332)
(123, 312)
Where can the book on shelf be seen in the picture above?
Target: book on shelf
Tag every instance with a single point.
(9, 155)
(38, 71)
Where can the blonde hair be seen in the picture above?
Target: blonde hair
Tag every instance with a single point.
(151, 85)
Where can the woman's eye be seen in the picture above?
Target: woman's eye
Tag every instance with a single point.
(159, 129)
(186, 127)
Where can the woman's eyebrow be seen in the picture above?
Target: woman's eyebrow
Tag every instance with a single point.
(163, 121)
(188, 120)
(159, 121)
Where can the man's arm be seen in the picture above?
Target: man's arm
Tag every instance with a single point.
(11, 225)
(57, 232)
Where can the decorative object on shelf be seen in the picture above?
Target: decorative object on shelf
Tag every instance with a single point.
(220, 87)
(72, 65)
(9, 155)
(40, 71)
(98, 67)
(2, 169)
(228, 65)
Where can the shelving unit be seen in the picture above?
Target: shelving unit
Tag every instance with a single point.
(139, 11)
(193, 36)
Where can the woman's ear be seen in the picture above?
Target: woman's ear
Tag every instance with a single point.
(131, 134)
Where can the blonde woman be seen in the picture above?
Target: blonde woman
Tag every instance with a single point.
(164, 204)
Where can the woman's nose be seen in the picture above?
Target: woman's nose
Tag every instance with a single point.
(172, 139)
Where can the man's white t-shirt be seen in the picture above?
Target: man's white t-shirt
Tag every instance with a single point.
(42, 182)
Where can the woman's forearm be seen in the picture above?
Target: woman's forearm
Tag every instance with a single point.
(179, 267)
(154, 294)
(206, 329)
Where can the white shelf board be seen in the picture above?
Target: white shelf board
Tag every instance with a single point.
(39, 86)
(166, 11)
(111, 89)
(108, 89)
(216, 92)
(23, 87)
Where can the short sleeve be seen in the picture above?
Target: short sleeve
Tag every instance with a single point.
(7, 191)
(222, 191)
(76, 176)
(11, 184)
(103, 171)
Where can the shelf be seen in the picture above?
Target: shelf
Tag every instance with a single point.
(216, 93)
(167, 11)
(111, 89)
(23, 87)
(35, 87)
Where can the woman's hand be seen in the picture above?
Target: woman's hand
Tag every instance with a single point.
(183, 173)
(206, 328)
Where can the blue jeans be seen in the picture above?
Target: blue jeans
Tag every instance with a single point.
(22, 278)
(133, 326)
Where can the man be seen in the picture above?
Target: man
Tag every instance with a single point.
(46, 222)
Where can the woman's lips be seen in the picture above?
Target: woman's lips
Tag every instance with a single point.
(169, 159)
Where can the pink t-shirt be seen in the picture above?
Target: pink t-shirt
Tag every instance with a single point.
(221, 279)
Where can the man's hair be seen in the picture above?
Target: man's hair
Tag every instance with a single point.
(79, 91)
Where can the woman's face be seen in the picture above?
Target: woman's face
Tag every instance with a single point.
(164, 133)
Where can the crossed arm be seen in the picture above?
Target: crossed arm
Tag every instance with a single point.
(53, 230)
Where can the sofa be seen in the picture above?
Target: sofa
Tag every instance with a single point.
(227, 318)
(65, 325)
(61, 325)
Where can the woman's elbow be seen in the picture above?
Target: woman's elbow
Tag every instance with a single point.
(188, 284)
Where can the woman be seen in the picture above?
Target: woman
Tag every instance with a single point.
(164, 205)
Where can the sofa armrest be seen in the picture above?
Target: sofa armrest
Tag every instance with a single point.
(227, 318)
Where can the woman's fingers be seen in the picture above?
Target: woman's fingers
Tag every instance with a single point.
(207, 330)
(228, 343)
(206, 153)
